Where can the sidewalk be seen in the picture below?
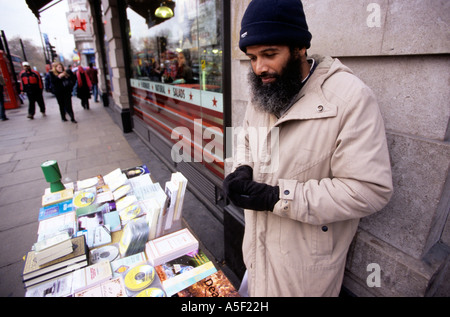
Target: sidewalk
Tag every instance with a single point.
(95, 145)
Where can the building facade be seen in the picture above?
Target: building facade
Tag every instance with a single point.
(80, 25)
(399, 48)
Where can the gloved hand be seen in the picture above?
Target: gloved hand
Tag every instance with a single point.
(243, 172)
(240, 188)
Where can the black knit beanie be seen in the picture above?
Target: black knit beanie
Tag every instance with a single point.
(274, 22)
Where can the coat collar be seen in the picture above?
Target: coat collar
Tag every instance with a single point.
(311, 103)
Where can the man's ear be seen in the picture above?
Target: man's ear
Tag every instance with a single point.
(300, 52)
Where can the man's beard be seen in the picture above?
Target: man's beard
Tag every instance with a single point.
(276, 97)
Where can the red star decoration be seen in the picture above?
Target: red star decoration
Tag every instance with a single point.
(168, 91)
(190, 96)
(214, 102)
(78, 24)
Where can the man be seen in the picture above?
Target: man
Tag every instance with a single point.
(93, 76)
(31, 84)
(303, 201)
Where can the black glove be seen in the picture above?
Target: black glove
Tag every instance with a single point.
(240, 188)
(243, 172)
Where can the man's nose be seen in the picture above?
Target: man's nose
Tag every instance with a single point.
(260, 67)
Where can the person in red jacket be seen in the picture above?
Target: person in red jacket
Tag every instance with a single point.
(93, 76)
(31, 84)
(84, 87)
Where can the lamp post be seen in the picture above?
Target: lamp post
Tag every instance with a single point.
(47, 61)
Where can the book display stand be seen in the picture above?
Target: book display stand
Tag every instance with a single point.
(118, 235)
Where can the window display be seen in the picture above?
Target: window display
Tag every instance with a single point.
(177, 75)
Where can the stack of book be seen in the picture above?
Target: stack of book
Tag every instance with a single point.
(33, 273)
(175, 190)
(115, 235)
(95, 280)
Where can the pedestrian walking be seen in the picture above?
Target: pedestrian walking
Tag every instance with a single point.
(84, 87)
(31, 84)
(48, 79)
(93, 76)
(62, 81)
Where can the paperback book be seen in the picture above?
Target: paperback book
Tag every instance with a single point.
(55, 209)
(56, 197)
(60, 286)
(91, 275)
(184, 271)
(114, 287)
(142, 186)
(171, 246)
(51, 241)
(115, 179)
(171, 190)
(181, 182)
(153, 210)
(65, 222)
(215, 285)
(54, 252)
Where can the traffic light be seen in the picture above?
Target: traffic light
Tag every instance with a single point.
(53, 53)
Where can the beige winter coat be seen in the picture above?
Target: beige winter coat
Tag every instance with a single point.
(332, 166)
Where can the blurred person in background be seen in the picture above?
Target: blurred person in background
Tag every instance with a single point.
(48, 79)
(31, 84)
(83, 87)
(62, 84)
(93, 76)
(184, 72)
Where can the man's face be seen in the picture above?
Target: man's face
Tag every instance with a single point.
(268, 61)
(27, 68)
(275, 77)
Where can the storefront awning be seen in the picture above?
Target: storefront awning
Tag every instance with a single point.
(37, 5)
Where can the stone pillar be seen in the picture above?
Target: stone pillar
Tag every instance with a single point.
(99, 47)
(116, 60)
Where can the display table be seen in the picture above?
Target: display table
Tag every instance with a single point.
(119, 235)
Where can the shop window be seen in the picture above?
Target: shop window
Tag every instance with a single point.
(176, 80)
